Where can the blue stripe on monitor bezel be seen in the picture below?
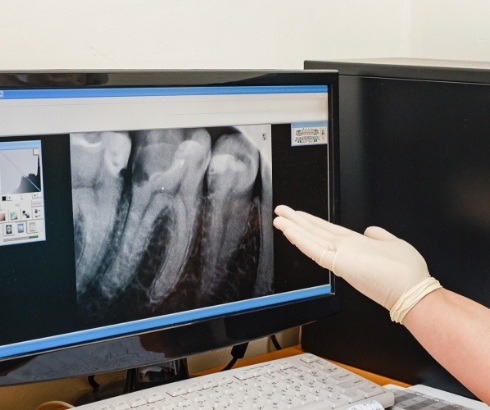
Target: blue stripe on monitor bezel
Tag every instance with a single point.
(174, 319)
(157, 91)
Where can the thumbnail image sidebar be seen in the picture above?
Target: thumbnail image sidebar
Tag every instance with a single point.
(21, 194)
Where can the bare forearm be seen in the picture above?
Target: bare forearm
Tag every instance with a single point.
(456, 332)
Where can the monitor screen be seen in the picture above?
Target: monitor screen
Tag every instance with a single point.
(138, 204)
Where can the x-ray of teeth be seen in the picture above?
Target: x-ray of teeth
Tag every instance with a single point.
(180, 218)
(230, 179)
(96, 161)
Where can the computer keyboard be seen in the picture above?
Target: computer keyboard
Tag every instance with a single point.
(406, 399)
(303, 381)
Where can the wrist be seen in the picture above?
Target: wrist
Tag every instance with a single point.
(411, 297)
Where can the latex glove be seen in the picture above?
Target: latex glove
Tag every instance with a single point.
(383, 267)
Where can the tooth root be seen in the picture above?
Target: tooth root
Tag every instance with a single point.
(97, 187)
(231, 175)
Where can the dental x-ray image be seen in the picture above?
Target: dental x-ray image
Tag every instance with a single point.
(171, 219)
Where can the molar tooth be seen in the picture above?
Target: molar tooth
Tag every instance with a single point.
(232, 172)
(191, 162)
(97, 186)
(181, 174)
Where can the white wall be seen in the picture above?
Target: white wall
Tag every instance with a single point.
(118, 34)
(91, 34)
(450, 29)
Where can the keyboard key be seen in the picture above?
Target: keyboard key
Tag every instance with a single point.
(122, 405)
(353, 395)
(307, 398)
(342, 376)
(309, 358)
(176, 391)
(353, 383)
(152, 398)
(169, 406)
(370, 389)
(336, 401)
(149, 407)
(137, 402)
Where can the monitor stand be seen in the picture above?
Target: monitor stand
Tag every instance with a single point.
(136, 379)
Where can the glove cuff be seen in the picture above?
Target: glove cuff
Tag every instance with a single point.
(411, 297)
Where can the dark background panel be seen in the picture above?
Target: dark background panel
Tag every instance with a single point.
(48, 265)
(300, 179)
(414, 158)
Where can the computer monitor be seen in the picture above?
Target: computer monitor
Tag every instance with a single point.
(136, 214)
(414, 159)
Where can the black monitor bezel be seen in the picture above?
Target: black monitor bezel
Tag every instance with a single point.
(203, 335)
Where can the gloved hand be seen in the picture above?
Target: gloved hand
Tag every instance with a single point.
(383, 267)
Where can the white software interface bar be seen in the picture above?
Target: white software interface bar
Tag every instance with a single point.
(50, 116)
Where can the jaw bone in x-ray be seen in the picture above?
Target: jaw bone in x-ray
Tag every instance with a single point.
(186, 215)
